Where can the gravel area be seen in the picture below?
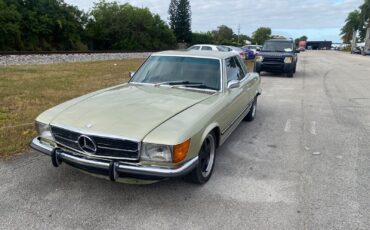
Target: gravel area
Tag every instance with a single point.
(36, 59)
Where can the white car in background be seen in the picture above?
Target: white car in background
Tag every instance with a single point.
(207, 47)
(237, 50)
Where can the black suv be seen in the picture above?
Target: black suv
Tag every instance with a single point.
(277, 55)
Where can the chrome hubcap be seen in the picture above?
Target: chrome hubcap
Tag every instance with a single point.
(207, 155)
(254, 110)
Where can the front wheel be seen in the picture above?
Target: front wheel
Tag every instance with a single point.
(252, 112)
(207, 155)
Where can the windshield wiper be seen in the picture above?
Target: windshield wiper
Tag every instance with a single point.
(200, 86)
(176, 83)
(187, 84)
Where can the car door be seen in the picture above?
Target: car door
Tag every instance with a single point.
(235, 98)
(247, 83)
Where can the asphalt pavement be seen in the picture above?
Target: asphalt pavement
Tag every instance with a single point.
(304, 163)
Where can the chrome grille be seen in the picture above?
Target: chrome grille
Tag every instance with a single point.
(106, 147)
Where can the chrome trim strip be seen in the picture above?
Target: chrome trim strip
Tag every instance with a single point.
(66, 139)
(161, 172)
(237, 118)
(115, 149)
(121, 167)
(37, 145)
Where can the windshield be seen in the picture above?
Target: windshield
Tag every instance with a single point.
(200, 72)
(280, 46)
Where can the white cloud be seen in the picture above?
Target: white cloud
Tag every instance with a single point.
(320, 19)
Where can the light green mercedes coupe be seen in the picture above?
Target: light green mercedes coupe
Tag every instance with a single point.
(167, 121)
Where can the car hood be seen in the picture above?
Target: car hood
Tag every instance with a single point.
(129, 111)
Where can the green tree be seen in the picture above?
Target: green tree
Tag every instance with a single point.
(10, 33)
(180, 19)
(41, 25)
(202, 38)
(261, 35)
(352, 24)
(124, 27)
(223, 35)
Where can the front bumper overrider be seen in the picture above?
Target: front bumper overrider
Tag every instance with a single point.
(112, 169)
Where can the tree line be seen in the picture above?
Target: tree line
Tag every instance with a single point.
(357, 21)
(53, 25)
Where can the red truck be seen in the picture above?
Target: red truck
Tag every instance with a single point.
(302, 45)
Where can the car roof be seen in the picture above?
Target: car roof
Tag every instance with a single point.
(279, 40)
(196, 53)
(205, 45)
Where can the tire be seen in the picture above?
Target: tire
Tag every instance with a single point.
(256, 70)
(252, 112)
(290, 74)
(207, 156)
(295, 68)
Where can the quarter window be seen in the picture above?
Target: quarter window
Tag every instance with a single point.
(241, 69)
(234, 69)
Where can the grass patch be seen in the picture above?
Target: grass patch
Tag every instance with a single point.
(28, 90)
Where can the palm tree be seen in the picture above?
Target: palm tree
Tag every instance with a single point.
(365, 12)
(353, 24)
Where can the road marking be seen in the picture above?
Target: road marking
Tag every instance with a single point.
(313, 128)
(288, 126)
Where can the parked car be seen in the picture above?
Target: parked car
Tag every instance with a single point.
(254, 48)
(277, 55)
(249, 54)
(366, 52)
(357, 50)
(237, 50)
(167, 121)
(205, 47)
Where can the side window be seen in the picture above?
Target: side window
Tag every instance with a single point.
(195, 47)
(206, 48)
(242, 69)
(231, 69)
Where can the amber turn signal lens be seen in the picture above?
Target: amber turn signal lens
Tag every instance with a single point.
(180, 151)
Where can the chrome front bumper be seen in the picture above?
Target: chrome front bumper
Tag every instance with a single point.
(109, 168)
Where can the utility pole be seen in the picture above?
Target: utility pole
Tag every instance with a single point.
(238, 32)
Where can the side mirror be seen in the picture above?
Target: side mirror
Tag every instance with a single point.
(233, 84)
(131, 74)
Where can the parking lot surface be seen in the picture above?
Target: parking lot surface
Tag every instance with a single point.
(304, 163)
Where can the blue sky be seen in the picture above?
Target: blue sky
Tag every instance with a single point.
(317, 19)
